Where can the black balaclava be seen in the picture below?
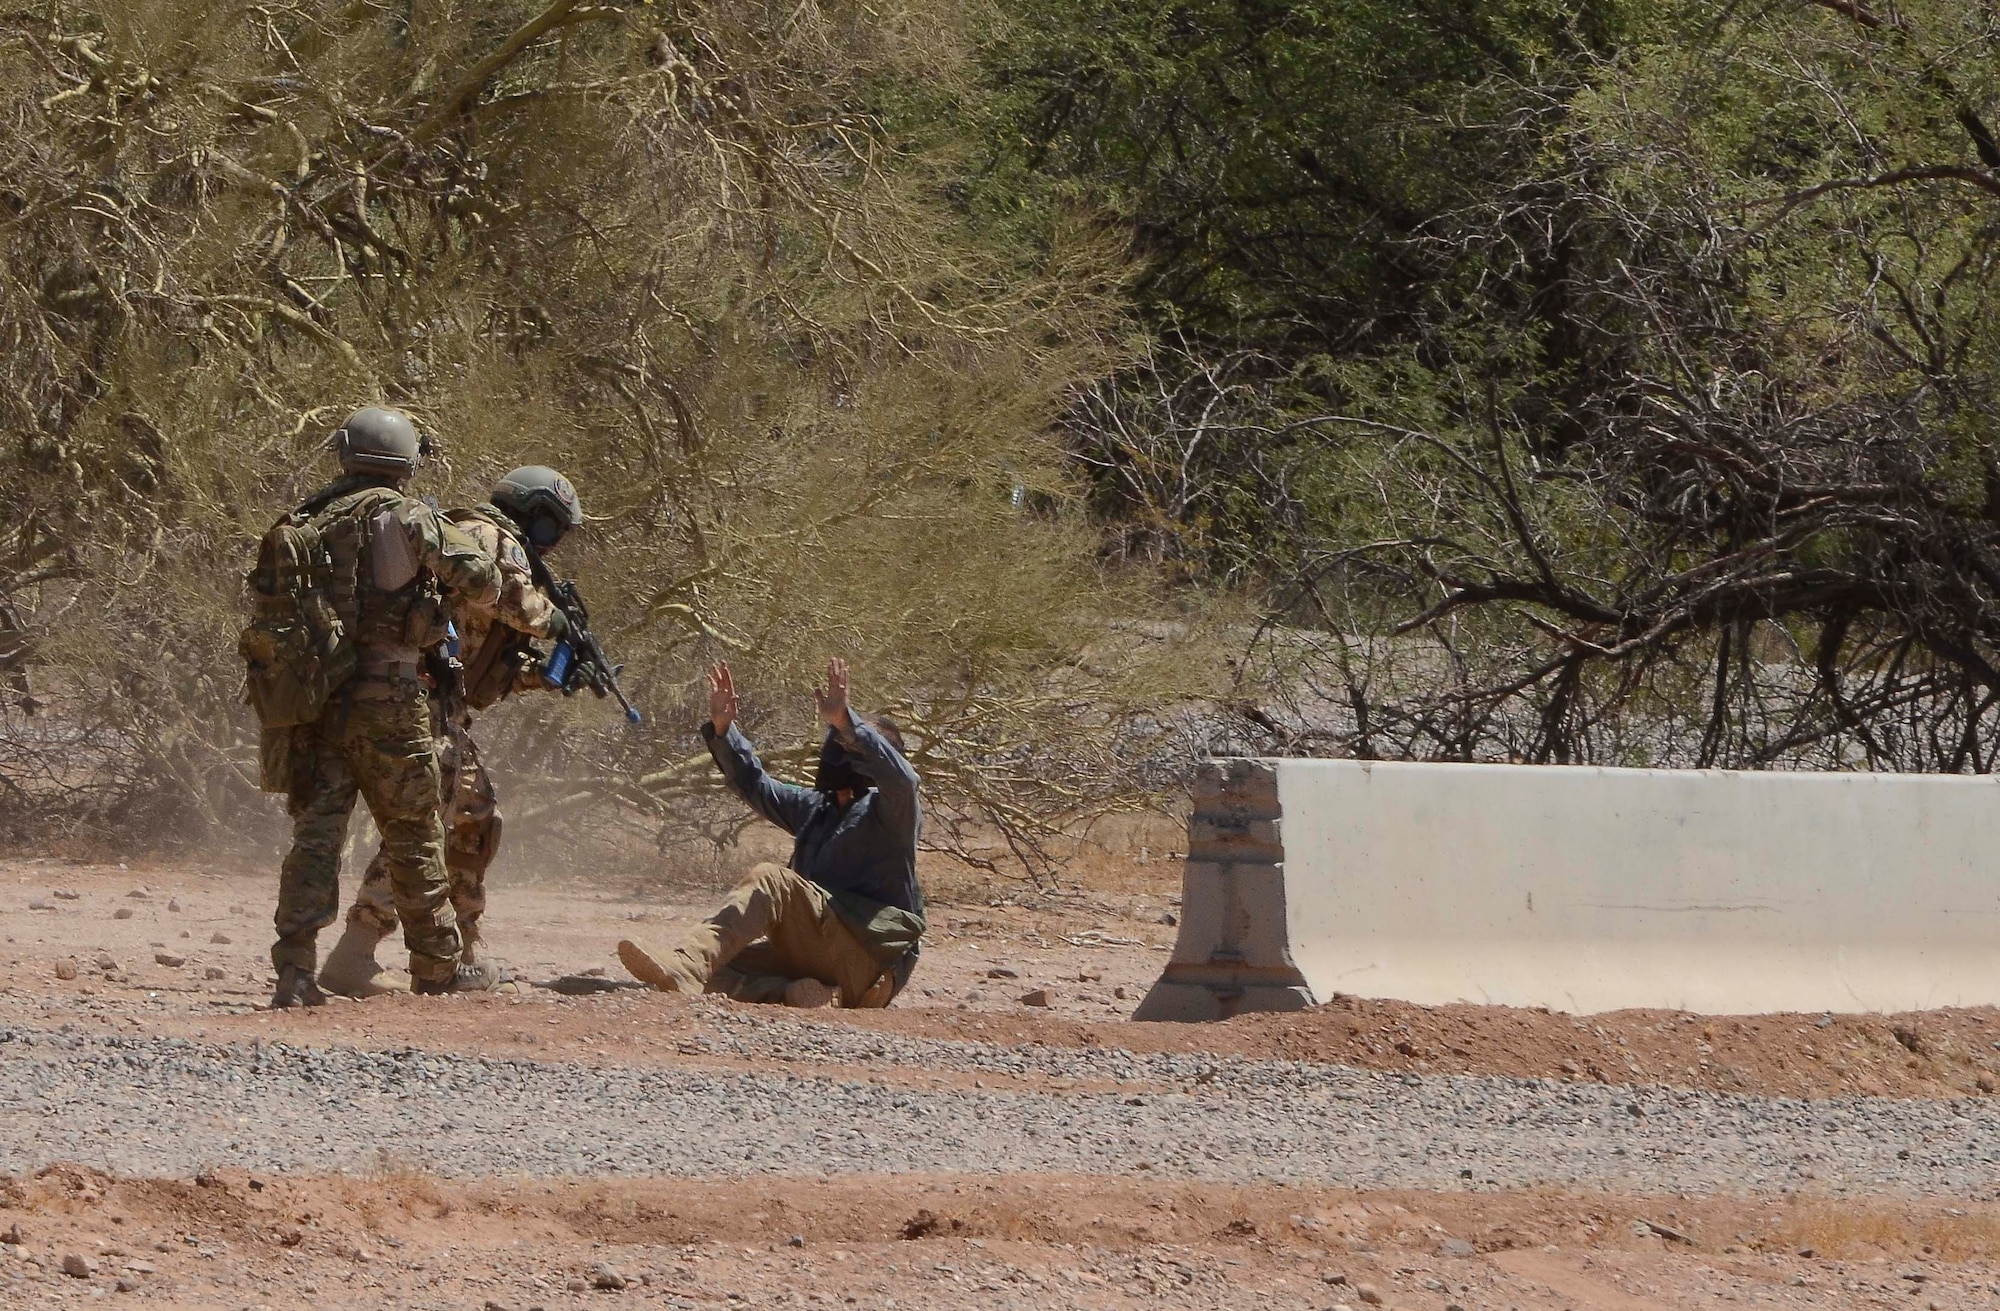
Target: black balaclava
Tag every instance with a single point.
(836, 769)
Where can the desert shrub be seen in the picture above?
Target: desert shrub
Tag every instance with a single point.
(670, 248)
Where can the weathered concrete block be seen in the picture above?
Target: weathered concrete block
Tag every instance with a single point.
(1243, 783)
(1256, 917)
(1174, 1000)
(1585, 889)
(1230, 838)
(1233, 912)
(1205, 912)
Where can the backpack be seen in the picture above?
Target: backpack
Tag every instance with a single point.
(297, 650)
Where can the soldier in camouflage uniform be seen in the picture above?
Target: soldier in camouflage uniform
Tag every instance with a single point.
(394, 559)
(535, 505)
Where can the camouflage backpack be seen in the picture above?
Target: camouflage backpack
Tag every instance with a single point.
(297, 649)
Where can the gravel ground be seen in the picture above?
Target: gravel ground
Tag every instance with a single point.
(447, 1155)
(1090, 957)
(172, 1107)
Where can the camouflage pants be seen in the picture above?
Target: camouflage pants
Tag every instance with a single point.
(470, 812)
(381, 750)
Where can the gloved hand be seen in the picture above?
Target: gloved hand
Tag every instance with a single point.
(558, 626)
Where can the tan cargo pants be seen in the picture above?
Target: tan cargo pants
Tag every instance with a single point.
(778, 926)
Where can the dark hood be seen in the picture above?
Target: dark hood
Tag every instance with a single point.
(836, 768)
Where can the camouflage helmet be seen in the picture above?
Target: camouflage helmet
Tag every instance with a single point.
(541, 501)
(379, 441)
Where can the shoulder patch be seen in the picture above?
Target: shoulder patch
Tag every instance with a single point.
(481, 532)
(511, 554)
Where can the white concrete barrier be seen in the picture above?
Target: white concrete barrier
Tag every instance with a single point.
(1585, 889)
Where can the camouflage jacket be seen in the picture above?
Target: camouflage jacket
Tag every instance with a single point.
(426, 555)
(516, 609)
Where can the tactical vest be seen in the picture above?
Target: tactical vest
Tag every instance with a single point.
(381, 591)
(328, 602)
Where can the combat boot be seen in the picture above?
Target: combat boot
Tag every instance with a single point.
(472, 976)
(669, 972)
(351, 970)
(474, 952)
(296, 987)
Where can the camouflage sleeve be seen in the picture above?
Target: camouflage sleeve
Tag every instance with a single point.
(475, 612)
(517, 602)
(522, 605)
(456, 560)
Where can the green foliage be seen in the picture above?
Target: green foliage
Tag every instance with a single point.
(1641, 404)
(1717, 431)
(667, 247)
(1275, 159)
(1564, 379)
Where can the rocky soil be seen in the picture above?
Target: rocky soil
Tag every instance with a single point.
(576, 1142)
(1089, 957)
(289, 1107)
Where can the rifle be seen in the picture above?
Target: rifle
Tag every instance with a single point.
(578, 660)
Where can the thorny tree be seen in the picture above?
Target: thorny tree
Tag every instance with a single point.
(667, 246)
(1691, 458)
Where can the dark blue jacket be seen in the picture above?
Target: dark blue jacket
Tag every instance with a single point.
(867, 851)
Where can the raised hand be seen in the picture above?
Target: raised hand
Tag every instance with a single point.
(832, 699)
(721, 697)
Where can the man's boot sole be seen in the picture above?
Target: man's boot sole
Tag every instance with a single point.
(808, 994)
(640, 965)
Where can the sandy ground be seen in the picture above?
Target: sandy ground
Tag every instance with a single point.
(186, 956)
(1091, 956)
(231, 1240)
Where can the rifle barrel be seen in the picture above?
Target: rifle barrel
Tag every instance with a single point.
(593, 665)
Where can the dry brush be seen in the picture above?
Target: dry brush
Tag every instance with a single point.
(667, 247)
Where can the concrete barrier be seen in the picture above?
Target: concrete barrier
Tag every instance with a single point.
(1584, 890)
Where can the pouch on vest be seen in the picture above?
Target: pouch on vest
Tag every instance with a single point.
(428, 623)
(391, 562)
(496, 668)
(274, 760)
(296, 651)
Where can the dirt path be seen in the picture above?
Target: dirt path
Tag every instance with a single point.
(1083, 955)
(959, 1150)
(940, 1241)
